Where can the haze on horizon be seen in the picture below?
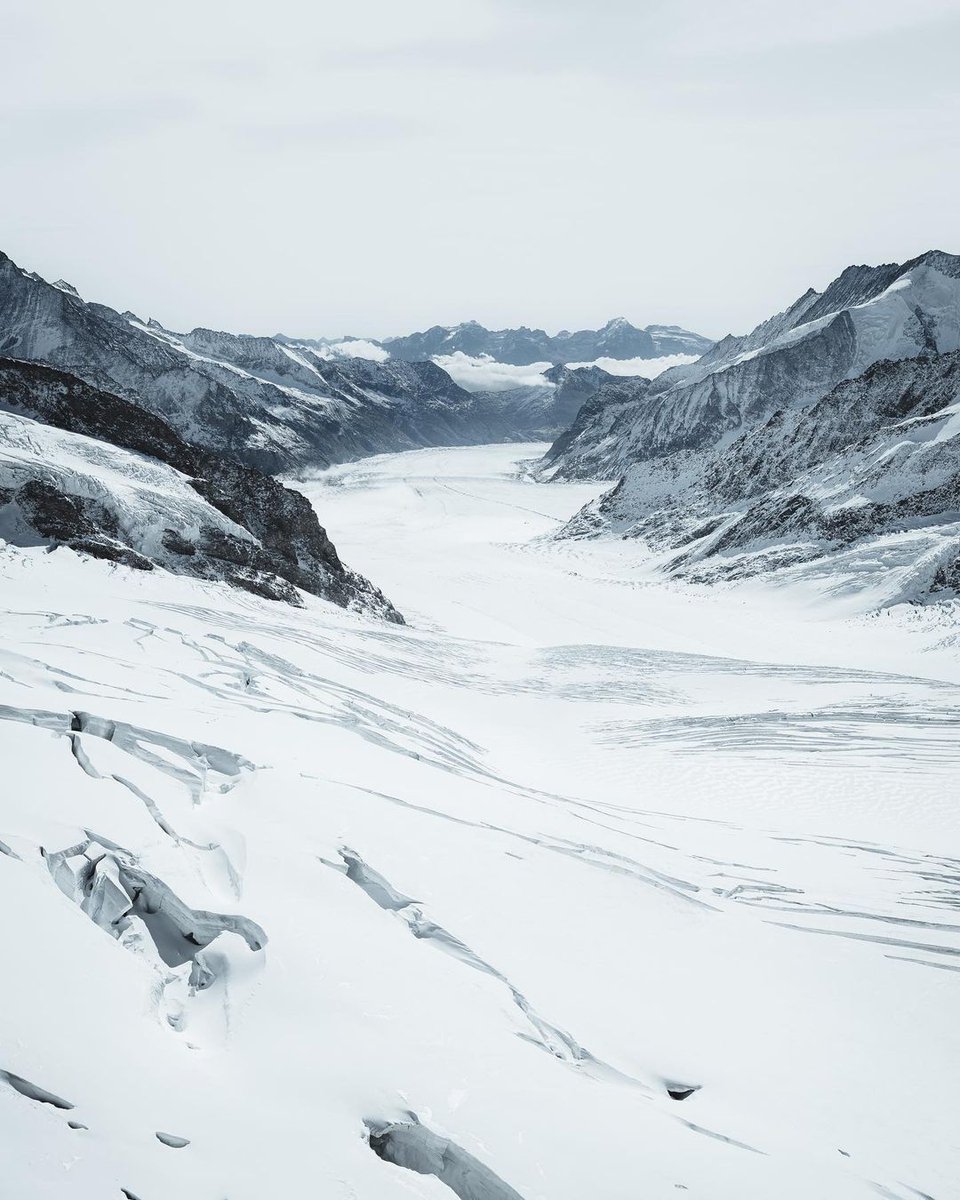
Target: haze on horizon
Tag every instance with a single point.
(320, 169)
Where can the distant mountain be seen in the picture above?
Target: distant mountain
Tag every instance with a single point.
(83, 468)
(827, 439)
(617, 339)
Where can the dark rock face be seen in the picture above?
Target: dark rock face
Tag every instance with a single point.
(54, 515)
(80, 522)
(520, 347)
(573, 389)
(608, 411)
(287, 548)
(854, 285)
(779, 516)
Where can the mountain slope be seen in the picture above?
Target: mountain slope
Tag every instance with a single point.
(822, 447)
(84, 468)
(857, 490)
(866, 315)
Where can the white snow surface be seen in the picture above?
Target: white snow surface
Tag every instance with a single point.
(484, 374)
(571, 839)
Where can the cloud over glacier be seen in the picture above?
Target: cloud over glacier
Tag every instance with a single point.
(486, 374)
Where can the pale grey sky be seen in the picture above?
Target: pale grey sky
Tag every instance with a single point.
(376, 166)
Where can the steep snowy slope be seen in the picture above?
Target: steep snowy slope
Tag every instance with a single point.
(578, 887)
(823, 445)
(83, 468)
(865, 316)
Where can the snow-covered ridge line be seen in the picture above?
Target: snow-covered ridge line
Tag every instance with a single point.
(483, 373)
(617, 340)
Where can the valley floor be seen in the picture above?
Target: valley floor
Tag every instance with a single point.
(581, 885)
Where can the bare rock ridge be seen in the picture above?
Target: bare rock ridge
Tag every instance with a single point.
(117, 482)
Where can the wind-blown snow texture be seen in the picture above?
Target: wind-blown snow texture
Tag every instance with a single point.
(821, 446)
(580, 885)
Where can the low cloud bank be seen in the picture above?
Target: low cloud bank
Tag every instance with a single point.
(357, 348)
(485, 374)
(649, 368)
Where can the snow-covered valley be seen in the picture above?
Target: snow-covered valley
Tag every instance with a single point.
(581, 884)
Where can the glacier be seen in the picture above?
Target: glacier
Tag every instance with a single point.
(588, 881)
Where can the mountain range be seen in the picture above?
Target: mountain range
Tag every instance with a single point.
(269, 403)
(617, 339)
(129, 441)
(798, 447)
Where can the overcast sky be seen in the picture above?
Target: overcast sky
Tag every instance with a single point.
(377, 166)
